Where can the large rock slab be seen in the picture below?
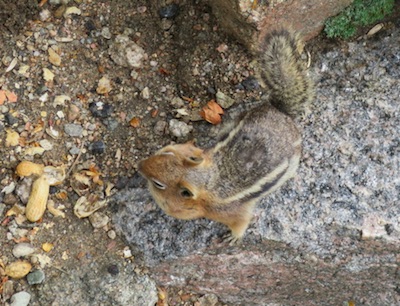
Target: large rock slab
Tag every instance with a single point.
(249, 20)
(330, 235)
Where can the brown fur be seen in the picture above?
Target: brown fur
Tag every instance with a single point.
(259, 154)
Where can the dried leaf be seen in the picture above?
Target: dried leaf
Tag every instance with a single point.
(134, 122)
(48, 75)
(54, 57)
(164, 71)
(212, 112)
(12, 65)
(12, 138)
(104, 86)
(3, 97)
(154, 113)
(34, 150)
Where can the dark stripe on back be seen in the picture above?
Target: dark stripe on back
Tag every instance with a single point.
(265, 188)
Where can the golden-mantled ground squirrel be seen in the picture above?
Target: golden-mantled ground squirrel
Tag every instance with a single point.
(255, 157)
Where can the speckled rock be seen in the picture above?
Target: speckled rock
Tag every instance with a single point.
(335, 225)
(179, 129)
(246, 20)
(93, 284)
(127, 53)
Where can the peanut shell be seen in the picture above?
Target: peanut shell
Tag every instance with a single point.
(18, 269)
(38, 199)
(27, 168)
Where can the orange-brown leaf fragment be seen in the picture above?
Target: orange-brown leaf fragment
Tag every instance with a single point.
(2, 97)
(11, 96)
(134, 122)
(212, 112)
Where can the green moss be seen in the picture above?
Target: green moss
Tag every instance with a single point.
(359, 13)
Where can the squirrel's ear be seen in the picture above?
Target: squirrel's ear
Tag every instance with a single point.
(193, 155)
(193, 160)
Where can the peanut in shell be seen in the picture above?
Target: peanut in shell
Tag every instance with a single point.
(38, 199)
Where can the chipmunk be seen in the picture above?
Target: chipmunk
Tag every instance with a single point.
(254, 158)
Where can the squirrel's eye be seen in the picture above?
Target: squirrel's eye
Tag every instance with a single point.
(185, 193)
(157, 184)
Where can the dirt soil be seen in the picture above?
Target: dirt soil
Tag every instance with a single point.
(186, 59)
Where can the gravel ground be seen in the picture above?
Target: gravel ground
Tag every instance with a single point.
(96, 87)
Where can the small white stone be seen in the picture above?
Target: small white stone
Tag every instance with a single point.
(111, 234)
(20, 299)
(98, 219)
(45, 144)
(60, 114)
(127, 252)
(23, 249)
(145, 93)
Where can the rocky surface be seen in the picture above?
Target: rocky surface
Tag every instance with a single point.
(330, 234)
(93, 86)
(249, 21)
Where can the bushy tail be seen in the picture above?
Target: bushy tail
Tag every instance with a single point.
(284, 73)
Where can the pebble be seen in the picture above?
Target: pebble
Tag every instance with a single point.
(90, 26)
(44, 15)
(8, 290)
(23, 249)
(223, 100)
(111, 123)
(10, 119)
(48, 75)
(73, 130)
(127, 53)
(105, 32)
(113, 269)
(60, 11)
(35, 277)
(54, 58)
(145, 93)
(179, 129)
(74, 150)
(104, 86)
(2, 207)
(142, 9)
(208, 300)
(98, 219)
(250, 83)
(169, 11)
(61, 100)
(112, 234)
(127, 252)
(97, 147)
(45, 144)
(21, 298)
(100, 109)
(18, 269)
(177, 102)
(160, 127)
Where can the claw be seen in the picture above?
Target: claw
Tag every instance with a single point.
(231, 239)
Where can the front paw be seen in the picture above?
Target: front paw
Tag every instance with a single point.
(231, 239)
